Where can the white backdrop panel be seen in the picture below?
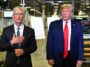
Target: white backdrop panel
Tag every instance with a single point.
(38, 26)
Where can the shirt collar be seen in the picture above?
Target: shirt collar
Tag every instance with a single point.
(67, 21)
(21, 26)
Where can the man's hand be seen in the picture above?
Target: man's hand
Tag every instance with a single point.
(17, 40)
(19, 52)
(79, 63)
(51, 62)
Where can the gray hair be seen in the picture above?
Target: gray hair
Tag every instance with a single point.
(18, 7)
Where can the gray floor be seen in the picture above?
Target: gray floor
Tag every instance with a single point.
(39, 57)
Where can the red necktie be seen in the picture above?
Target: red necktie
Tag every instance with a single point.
(66, 40)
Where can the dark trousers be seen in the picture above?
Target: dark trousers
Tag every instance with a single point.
(66, 62)
(18, 65)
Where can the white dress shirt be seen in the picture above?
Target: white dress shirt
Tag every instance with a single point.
(21, 29)
(69, 28)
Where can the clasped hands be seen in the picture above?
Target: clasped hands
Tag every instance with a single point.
(16, 41)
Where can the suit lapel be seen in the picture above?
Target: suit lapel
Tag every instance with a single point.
(25, 33)
(72, 27)
(12, 29)
(61, 25)
(72, 32)
(12, 32)
(62, 32)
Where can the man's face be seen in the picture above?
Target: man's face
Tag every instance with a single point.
(18, 16)
(66, 14)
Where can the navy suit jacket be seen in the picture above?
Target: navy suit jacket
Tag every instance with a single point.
(29, 46)
(55, 41)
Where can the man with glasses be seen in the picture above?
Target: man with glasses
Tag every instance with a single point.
(19, 41)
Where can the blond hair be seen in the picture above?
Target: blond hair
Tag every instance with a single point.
(68, 6)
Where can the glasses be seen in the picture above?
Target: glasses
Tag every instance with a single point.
(18, 14)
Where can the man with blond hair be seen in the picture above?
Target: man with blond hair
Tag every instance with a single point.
(18, 40)
(64, 46)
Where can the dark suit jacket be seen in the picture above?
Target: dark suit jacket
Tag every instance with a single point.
(55, 41)
(29, 46)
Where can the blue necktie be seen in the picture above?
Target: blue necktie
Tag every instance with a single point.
(18, 32)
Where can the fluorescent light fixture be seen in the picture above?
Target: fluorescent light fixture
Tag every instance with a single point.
(8, 13)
